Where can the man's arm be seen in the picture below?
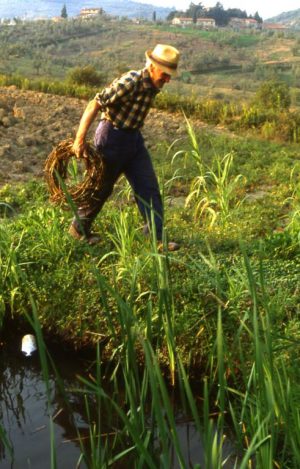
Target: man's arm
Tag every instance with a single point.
(86, 121)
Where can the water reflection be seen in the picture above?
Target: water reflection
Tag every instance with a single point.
(193, 450)
(24, 415)
(24, 412)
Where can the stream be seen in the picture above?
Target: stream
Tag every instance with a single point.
(24, 409)
(24, 413)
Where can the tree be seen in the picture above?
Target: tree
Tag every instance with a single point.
(154, 17)
(274, 95)
(171, 15)
(236, 13)
(194, 11)
(258, 18)
(64, 13)
(37, 64)
(220, 16)
(195, 16)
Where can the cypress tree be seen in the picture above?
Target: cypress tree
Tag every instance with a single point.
(64, 13)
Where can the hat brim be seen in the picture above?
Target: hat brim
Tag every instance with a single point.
(170, 71)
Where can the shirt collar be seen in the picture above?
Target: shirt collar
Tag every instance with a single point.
(147, 83)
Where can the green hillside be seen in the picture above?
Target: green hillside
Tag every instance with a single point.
(287, 17)
(215, 64)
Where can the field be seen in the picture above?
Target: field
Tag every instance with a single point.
(223, 63)
(217, 321)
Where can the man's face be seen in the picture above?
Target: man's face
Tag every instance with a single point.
(158, 77)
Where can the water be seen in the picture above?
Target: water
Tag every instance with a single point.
(24, 410)
(24, 413)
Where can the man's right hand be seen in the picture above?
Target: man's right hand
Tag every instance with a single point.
(86, 120)
(78, 148)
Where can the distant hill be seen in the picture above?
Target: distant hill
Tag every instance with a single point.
(48, 8)
(288, 18)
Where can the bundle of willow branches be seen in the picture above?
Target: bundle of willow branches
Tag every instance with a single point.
(56, 174)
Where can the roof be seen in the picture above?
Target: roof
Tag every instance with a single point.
(206, 19)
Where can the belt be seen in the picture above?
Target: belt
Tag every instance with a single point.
(123, 129)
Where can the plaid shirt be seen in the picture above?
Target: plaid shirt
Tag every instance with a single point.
(127, 101)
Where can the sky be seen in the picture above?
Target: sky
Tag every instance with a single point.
(266, 8)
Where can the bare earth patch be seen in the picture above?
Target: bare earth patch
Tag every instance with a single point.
(33, 123)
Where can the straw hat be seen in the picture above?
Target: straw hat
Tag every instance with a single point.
(164, 57)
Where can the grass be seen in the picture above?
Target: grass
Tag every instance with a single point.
(107, 46)
(281, 124)
(217, 320)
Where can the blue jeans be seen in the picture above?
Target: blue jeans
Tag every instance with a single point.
(124, 152)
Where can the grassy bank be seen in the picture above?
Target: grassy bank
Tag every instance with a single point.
(269, 119)
(222, 313)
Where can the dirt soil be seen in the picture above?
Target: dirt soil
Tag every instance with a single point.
(33, 123)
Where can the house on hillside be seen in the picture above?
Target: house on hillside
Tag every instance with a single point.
(8, 22)
(244, 23)
(206, 23)
(274, 27)
(182, 22)
(57, 19)
(90, 12)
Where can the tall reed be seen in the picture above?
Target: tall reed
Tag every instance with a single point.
(213, 192)
(246, 392)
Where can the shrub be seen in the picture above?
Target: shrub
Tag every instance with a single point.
(254, 117)
(186, 77)
(269, 130)
(297, 98)
(289, 127)
(273, 95)
(296, 51)
(86, 75)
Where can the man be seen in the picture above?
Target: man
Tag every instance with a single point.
(124, 106)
